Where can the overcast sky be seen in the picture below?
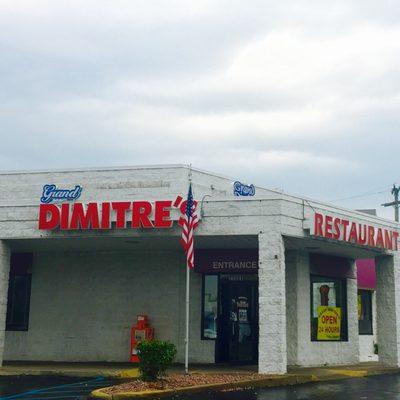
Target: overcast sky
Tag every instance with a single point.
(298, 95)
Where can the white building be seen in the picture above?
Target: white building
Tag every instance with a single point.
(274, 284)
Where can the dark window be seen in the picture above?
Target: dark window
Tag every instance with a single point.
(328, 309)
(365, 312)
(210, 307)
(19, 292)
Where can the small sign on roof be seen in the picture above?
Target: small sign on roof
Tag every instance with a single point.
(240, 189)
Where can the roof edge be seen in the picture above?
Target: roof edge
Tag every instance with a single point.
(93, 169)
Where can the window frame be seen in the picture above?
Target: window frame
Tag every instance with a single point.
(16, 260)
(203, 303)
(344, 331)
(369, 292)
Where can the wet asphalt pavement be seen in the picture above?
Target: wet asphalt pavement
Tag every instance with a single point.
(373, 388)
(55, 388)
(58, 388)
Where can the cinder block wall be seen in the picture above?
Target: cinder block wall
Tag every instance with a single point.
(83, 304)
(303, 351)
(291, 306)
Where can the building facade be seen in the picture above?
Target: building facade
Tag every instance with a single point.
(83, 252)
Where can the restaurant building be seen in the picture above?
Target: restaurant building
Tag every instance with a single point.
(83, 252)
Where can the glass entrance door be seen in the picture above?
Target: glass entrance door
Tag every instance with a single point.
(238, 319)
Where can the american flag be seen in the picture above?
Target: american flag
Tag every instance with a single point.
(189, 222)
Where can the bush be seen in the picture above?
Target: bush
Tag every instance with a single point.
(155, 356)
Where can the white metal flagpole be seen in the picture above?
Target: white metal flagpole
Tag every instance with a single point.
(187, 320)
(187, 299)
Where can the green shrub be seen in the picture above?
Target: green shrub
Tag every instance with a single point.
(155, 356)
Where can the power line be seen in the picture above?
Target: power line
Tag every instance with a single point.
(361, 195)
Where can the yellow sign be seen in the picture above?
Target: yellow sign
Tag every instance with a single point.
(359, 306)
(329, 323)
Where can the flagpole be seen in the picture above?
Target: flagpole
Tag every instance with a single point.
(187, 320)
(187, 300)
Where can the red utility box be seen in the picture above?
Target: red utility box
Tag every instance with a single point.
(141, 331)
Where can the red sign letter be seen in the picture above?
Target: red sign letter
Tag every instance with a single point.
(388, 240)
(371, 236)
(336, 223)
(379, 239)
(162, 214)
(85, 220)
(120, 207)
(328, 227)
(105, 216)
(64, 223)
(49, 216)
(318, 221)
(353, 233)
(140, 214)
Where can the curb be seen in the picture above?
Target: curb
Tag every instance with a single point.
(271, 381)
(128, 373)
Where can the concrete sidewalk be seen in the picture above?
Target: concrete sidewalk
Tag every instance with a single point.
(127, 370)
(343, 371)
(89, 370)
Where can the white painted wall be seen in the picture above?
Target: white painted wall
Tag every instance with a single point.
(301, 350)
(83, 304)
(272, 354)
(388, 306)
(291, 259)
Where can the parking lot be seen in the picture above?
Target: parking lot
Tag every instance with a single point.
(55, 388)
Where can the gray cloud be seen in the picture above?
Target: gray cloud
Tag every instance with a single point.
(302, 96)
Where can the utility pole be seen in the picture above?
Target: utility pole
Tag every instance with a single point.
(395, 192)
